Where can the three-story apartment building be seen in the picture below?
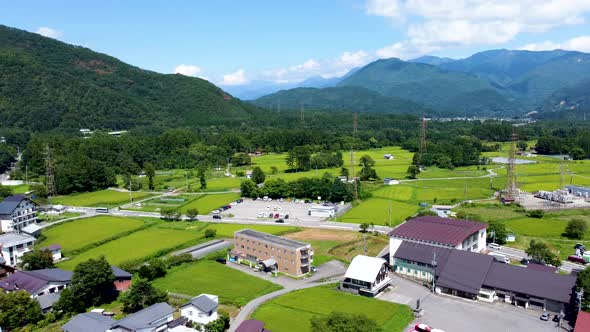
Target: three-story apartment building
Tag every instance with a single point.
(16, 212)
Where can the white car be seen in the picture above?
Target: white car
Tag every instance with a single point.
(261, 215)
(494, 246)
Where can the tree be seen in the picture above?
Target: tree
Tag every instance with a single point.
(299, 158)
(248, 188)
(169, 213)
(344, 172)
(91, 285)
(364, 227)
(575, 229)
(142, 295)
(258, 175)
(536, 214)
(541, 252)
(39, 189)
(367, 173)
(366, 160)
(5, 191)
(69, 302)
(202, 179)
(577, 153)
(210, 232)
(155, 268)
(522, 145)
(18, 309)
(37, 260)
(273, 170)
(344, 322)
(221, 324)
(192, 213)
(413, 171)
(497, 232)
(150, 172)
(583, 283)
(241, 159)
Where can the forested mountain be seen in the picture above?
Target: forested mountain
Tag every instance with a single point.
(490, 83)
(569, 102)
(45, 84)
(351, 98)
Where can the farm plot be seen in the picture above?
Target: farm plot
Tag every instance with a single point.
(228, 230)
(207, 203)
(232, 286)
(138, 245)
(79, 233)
(377, 211)
(157, 203)
(294, 311)
(102, 198)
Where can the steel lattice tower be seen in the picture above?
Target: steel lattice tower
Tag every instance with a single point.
(423, 136)
(49, 176)
(511, 188)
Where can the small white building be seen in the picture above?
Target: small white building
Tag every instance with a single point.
(388, 156)
(322, 211)
(17, 212)
(443, 211)
(201, 309)
(248, 174)
(55, 250)
(367, 275)
(390, 181)
(56, 210)
(13, 246)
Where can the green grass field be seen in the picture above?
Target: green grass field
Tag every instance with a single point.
(228, 230)
(376, 210)
(138, 245)
(232, 286)
(76, 234)
(294, 311)
(102, 198)
(207, 203)
(157, 203)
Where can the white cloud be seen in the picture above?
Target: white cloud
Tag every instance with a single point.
(49, 32)
(187, 70)
(236, 78)
(581, 43)
(353, 59)
(432, 25)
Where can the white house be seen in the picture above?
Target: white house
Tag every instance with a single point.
(56, 210)
(322, 211)
(55, 250)
(390, 181)
(201, 309)
(16, 212)
(443, 211)
(13, 246)
(388, 156)
(367, 275)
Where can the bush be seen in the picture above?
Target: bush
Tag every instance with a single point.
(536, 214)
(575, 229)
(178, 260)
(210, 232)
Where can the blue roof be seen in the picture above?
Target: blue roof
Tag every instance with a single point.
(9, 204)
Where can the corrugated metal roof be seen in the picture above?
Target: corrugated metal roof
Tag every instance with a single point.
(465, 271)
(88, 322)
(423, 253)
(365, 268)
(439, 230)
(145, 317)
(582, 322)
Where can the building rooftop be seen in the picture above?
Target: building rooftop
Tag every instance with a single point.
(251, 325)
(582, 322)
(13, 239)
(52, 247)
(203, 303)
(88, 322)
(445, 231)
(423, 253)
(120, 273)
(465, 271)
(31, 281)
(277, 240)
(364, 268)
(145, 317)
(47, 301)
(31, 229)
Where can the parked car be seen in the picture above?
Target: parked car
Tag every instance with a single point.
(216, 211)
(280, 221)
(276, 215)
(270, 215)
(221, 260)
(556, 318)
(545, 316)
(314, 269)
(576, 259)
(261, 215)
(286, 216)
(216, 216)
(494, 246)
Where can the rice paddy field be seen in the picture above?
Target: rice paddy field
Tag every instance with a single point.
(294, 311)
(231, 285)
(79, 233)
(102, 198)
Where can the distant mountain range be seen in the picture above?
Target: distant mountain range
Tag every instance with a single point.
(490, 83)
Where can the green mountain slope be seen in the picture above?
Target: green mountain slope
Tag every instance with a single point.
(430, 85)
(47, 84)
(571, 102)
(350, 98)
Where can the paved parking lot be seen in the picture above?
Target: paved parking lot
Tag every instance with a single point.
(458, 315)
(250, 209)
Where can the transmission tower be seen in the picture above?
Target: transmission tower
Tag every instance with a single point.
(562, 173)
(352, 174)
(50, 175)
(423, 136)
(511, 188)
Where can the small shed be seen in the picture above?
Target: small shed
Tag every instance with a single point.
(388, 156)
(390, 181)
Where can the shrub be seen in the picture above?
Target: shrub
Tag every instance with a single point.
(210, 232)
(536, 214)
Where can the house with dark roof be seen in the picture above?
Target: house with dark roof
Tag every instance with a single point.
(37, 282)
(440, 232)
(201, 309)
(14, 246)
(480, 277)
(122, 279)
(17, 212)
(88, 322)
(151, 319)
(55, 250)
(251, 325)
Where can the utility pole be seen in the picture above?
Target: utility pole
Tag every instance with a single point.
(434, 263)
(390, 216)
(580, 296)
(130, 193)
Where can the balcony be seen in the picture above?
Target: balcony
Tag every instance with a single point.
(305, 262)
(306, 253)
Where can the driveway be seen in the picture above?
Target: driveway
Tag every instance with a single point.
(203, 249)
(457, 315)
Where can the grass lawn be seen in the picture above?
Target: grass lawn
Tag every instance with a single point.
(207, 203)
(102, 198)
(138, 245)
(228, 230)
(76, 234)
(376, 210)
(157, 203)
(53, 218)
(20, 189)
(294, 311)
(232, 286)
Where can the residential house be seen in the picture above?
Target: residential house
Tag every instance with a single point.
(443, 211)
(201, 309)
(16, 212)
(122, 279)
(582, 322)
(388, 156)
(89, 322)
(13, 246)
(273, 252)
(37, 282)
(440, 232)
(251, 325)
(154, 318)
(33, 230)
(55, 250)
(367, 275)
(480, 277)
(56, 210)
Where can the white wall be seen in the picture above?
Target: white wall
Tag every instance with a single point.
(481, 244)
(195, 315)
(393, 246)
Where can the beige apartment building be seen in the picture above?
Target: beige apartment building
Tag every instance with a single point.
(272, 253)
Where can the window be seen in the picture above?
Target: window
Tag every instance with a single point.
(190, 312)
(242, 246)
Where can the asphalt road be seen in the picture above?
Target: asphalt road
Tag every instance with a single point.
(517, 255)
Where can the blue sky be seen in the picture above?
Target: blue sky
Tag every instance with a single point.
(237, 42)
